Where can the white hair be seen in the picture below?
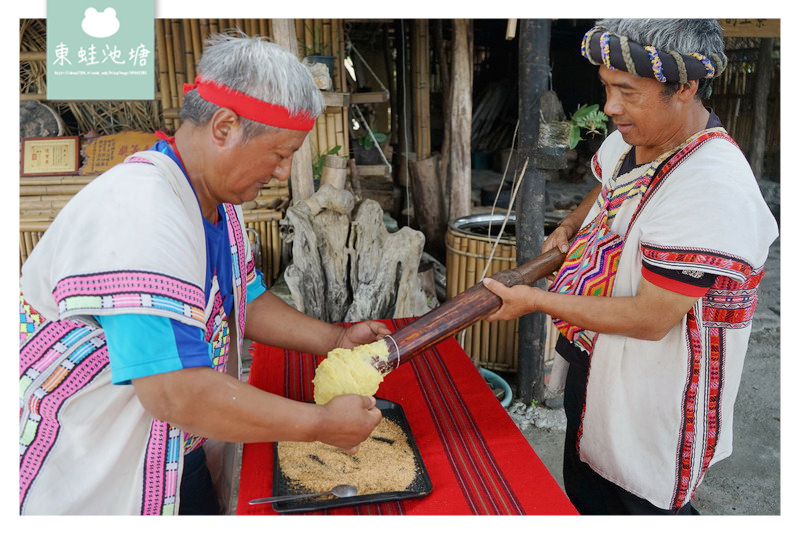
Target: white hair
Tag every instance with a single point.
(258, 68)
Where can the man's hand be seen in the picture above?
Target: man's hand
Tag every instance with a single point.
(517, 300)
(348, 420)
(361, 333)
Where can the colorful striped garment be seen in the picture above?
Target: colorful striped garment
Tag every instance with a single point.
(130, 243)
(659, 413)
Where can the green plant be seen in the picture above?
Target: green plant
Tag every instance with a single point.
(366, 140)
(319, 162)
(589, 118)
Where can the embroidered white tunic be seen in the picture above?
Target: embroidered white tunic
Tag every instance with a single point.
(659, 413)
(132, 241)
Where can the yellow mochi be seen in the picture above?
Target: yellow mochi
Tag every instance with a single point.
(347, 371)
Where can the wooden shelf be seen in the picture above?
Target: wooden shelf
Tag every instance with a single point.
(376, 97)
(334, 99)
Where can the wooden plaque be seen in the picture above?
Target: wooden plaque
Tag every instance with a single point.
(106, 151)
(751, 27)
(51, 156)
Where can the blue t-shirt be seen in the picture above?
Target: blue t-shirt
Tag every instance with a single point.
(144, 345)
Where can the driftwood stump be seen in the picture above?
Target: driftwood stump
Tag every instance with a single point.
(346, 266)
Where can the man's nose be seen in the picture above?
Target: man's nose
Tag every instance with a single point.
(283, 170)
(613, 106)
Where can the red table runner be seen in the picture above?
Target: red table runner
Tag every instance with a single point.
(478, 460)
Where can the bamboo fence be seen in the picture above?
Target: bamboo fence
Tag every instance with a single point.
(179, 44)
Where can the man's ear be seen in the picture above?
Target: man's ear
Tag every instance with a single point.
(224, 127)
(688, 91)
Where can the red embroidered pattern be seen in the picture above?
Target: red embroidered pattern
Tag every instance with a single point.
(731, 304)
(714, 388)
(688, 432)
(726, 264)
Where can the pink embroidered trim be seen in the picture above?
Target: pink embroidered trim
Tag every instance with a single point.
(45, 405)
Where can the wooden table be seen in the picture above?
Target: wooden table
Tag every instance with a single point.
(478, 460)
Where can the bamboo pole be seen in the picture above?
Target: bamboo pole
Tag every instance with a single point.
(163, 70)
(180, 68)
(197, 43)
(276, 250)
(494, 328)
(300, 32)
(205, 30)
(338, 126)
(188, 50)
(173, 91)
(483, 325)
(330, 123)
(336, 51)
(263, 27)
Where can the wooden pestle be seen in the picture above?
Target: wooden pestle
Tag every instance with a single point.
(462, 311)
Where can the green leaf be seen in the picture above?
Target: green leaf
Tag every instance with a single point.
(584, 111)
(574, 136)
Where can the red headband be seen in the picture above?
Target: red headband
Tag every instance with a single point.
(248, 107)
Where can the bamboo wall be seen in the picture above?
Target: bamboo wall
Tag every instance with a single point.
(732, 101)
(179, 45)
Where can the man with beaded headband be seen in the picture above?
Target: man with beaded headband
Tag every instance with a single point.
(655, 298)
(135, 303)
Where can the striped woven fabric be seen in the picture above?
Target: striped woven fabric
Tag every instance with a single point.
(477, 459)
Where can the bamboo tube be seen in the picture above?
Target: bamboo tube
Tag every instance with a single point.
(163, 74)
(28, 243)
(336, 52)
(483, 325)
(204, 31)
(300, 32)
(342, 77)
(462, 280)
(310, 36)
(317, 43)
(197, 43)
(188, 51)
(266, 251)
(213, 26)
(330, 123)
(327, 37)
(502, 326)
(322, 135)
(173, 91)
(263, 28)
(274, 250)
(339, 122)
(180, 68)
(36, 190)
(470, 280)
(451, 259)
(494, 328)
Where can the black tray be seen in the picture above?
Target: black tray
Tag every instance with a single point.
(421, 486)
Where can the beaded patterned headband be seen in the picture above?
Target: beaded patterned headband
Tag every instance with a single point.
(247, 106)
(617, 52)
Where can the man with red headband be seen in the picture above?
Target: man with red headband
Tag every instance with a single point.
(136, 301)
(655, 298)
